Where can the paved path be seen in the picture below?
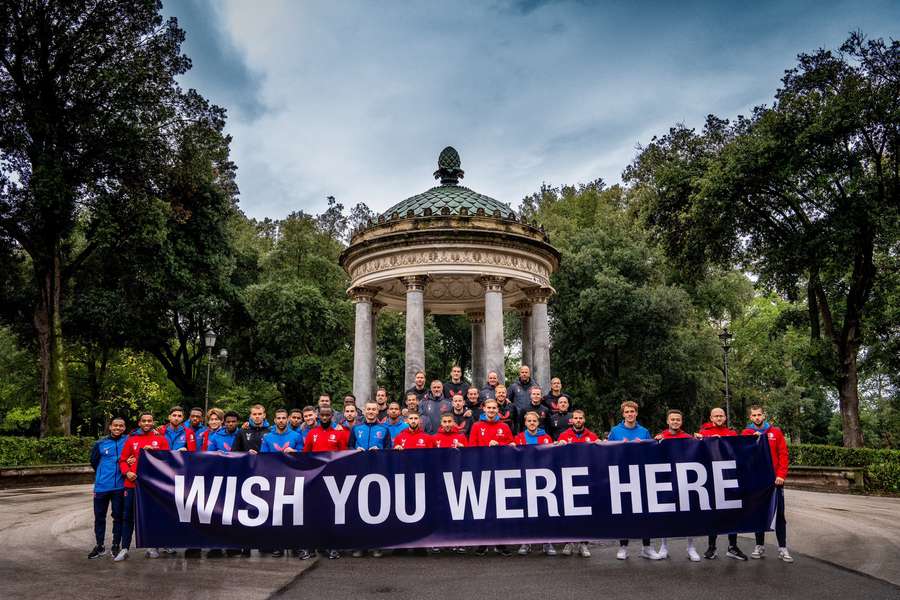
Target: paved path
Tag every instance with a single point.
(47, 532)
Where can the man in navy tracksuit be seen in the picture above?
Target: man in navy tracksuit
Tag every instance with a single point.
(109, 486)
(370, 434)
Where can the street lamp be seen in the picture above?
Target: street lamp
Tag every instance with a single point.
(210, 339)
(725, 338)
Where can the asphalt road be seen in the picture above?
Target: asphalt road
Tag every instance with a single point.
(47, 532)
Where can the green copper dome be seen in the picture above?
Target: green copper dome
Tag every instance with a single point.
(449, 198)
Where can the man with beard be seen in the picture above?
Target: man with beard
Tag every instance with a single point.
(507, 411)
(462, 416)
(418, 388)
(432, 406)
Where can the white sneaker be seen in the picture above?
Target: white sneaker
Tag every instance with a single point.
(649, 553)
(784, 555)
(758, 552)
(663, 552)
(567, 550)
(169, 550)
(586, 553)
(152, 553)
(524, 549)
(622, 554)
(122, 555)
(692, 554)
(549, 550)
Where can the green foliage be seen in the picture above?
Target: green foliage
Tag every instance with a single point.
(882, 467)
(23, 451)
(805, 194)
(620, 329)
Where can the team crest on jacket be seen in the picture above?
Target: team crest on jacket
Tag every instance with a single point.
(379, 434)
(154, 443)
(332, 437)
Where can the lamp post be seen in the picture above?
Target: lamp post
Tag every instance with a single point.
(210, 339)
(725, 338)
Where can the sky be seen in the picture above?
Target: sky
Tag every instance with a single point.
(356, 99)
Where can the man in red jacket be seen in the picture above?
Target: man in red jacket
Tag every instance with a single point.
(490, 430)
(577, 433)
(324, 437)
(144, 437)
(778, 448)
(413, 436)
(716, 428)
(449, 435)
(674, 420)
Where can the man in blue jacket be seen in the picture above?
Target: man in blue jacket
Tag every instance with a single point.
(222, 439)
(626, 431)
(394, 421)
(370, 434)
(109, 486)
(180, 438)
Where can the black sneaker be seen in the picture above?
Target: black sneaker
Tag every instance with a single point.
(277, 553)
(232, 552)
(333, 554)
(214, 553)
(735, 553)
(193, 553)
(503, 551)
(245, 552)
(98, 551)
(480, 550)
(114, 550)
(710, 553)
(304, 554)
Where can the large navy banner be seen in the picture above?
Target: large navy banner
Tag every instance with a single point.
(449, 497)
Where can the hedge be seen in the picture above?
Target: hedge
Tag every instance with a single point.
(26, 451)
(882, 467)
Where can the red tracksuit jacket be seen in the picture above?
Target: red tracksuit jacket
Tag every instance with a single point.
(326, 440)
(484, 431)
(570, 437)
(133, 446)
(667, 435)
(777, 447)
(445, 440)
(409, 439)
(710, 430)
(541, 439)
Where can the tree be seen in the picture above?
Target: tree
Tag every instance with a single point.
(620, 329)
(87, 91)
(804, 193)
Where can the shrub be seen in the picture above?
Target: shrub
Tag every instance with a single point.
(882, 467)
(25, 451)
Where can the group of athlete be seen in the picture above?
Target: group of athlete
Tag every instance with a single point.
(451, 414)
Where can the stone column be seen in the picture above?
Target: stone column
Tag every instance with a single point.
(415, 326)
(493, 325)
(376, 306)
(540, 332)
(363, 355)
(479, 376)
(524, 310)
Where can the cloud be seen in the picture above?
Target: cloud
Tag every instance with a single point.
(356, 99)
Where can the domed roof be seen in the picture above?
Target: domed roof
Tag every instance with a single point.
(449, 198)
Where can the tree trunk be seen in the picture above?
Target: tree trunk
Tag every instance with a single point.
(56, 403)
(848, 392)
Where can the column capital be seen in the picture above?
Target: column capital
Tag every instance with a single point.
(492, 283)
(377, 306)
(538, 294)
(523, 307)
(475, 316)
(362, 294)
(415, 282)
